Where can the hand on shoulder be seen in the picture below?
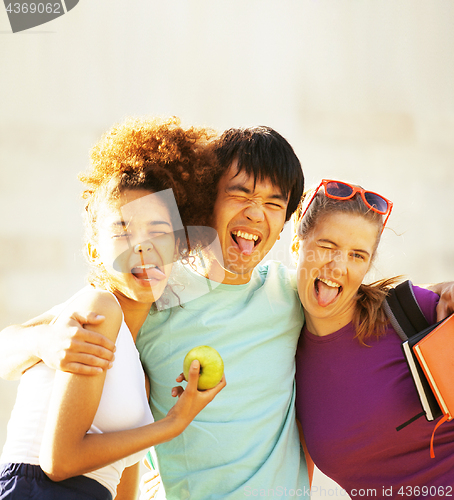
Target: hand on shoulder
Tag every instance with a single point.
(446, 303)
(81, 339)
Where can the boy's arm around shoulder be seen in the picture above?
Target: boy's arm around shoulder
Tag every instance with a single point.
(19, 346)
(446, 303)
(71, 344)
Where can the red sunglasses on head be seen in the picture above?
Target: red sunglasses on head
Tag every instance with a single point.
(338, 190)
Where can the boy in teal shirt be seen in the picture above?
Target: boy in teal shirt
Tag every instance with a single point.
(246, 443)
(245, 440)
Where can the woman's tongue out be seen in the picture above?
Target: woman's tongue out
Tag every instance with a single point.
(325, 293)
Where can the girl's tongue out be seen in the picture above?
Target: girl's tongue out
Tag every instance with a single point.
(151, 273)
(326, 291)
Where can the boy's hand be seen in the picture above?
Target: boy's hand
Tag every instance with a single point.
(149, 484)
(446, 303)
(69, 345)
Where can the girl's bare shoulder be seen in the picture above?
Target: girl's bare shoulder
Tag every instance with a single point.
(102, 302)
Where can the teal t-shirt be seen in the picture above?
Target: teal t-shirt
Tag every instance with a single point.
(245, 442)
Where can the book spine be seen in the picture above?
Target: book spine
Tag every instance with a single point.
(431, 380)
(417, 381)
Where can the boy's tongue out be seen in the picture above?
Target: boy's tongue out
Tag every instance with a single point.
(325, 293)
(246, 246)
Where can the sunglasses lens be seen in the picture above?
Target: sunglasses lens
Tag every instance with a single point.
(377, 202)
(338, 189)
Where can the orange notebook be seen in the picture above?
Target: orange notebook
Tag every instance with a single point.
(435, 353)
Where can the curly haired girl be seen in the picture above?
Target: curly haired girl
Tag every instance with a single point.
(75, 436)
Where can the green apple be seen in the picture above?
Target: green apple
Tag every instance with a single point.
(211, 366)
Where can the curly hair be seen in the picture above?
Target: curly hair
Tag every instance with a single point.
(152, 154)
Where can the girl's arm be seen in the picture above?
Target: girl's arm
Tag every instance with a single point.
(67, 450)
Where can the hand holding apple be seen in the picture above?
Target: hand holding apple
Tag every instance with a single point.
(191, 400)
(211, 366)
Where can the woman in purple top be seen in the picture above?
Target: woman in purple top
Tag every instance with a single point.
(353, 384)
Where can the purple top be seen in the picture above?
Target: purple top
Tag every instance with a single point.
(350, 399)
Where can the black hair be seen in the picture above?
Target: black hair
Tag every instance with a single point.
(263, 153)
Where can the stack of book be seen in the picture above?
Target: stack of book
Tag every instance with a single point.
(430, 357)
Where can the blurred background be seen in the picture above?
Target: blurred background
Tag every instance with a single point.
(364, 91)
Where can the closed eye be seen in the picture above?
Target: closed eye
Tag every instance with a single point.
(275, 205)
(239, 197)
(326, 246)
(155, 234)
(121, 235)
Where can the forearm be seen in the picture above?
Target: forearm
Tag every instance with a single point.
(74, 457)
(434, 287)
(18, 350)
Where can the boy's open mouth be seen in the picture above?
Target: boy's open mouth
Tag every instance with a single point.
(245, 241)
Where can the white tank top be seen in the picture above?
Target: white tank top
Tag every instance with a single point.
(123, 405)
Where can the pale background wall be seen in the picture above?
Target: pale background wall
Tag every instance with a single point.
(364, 91)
